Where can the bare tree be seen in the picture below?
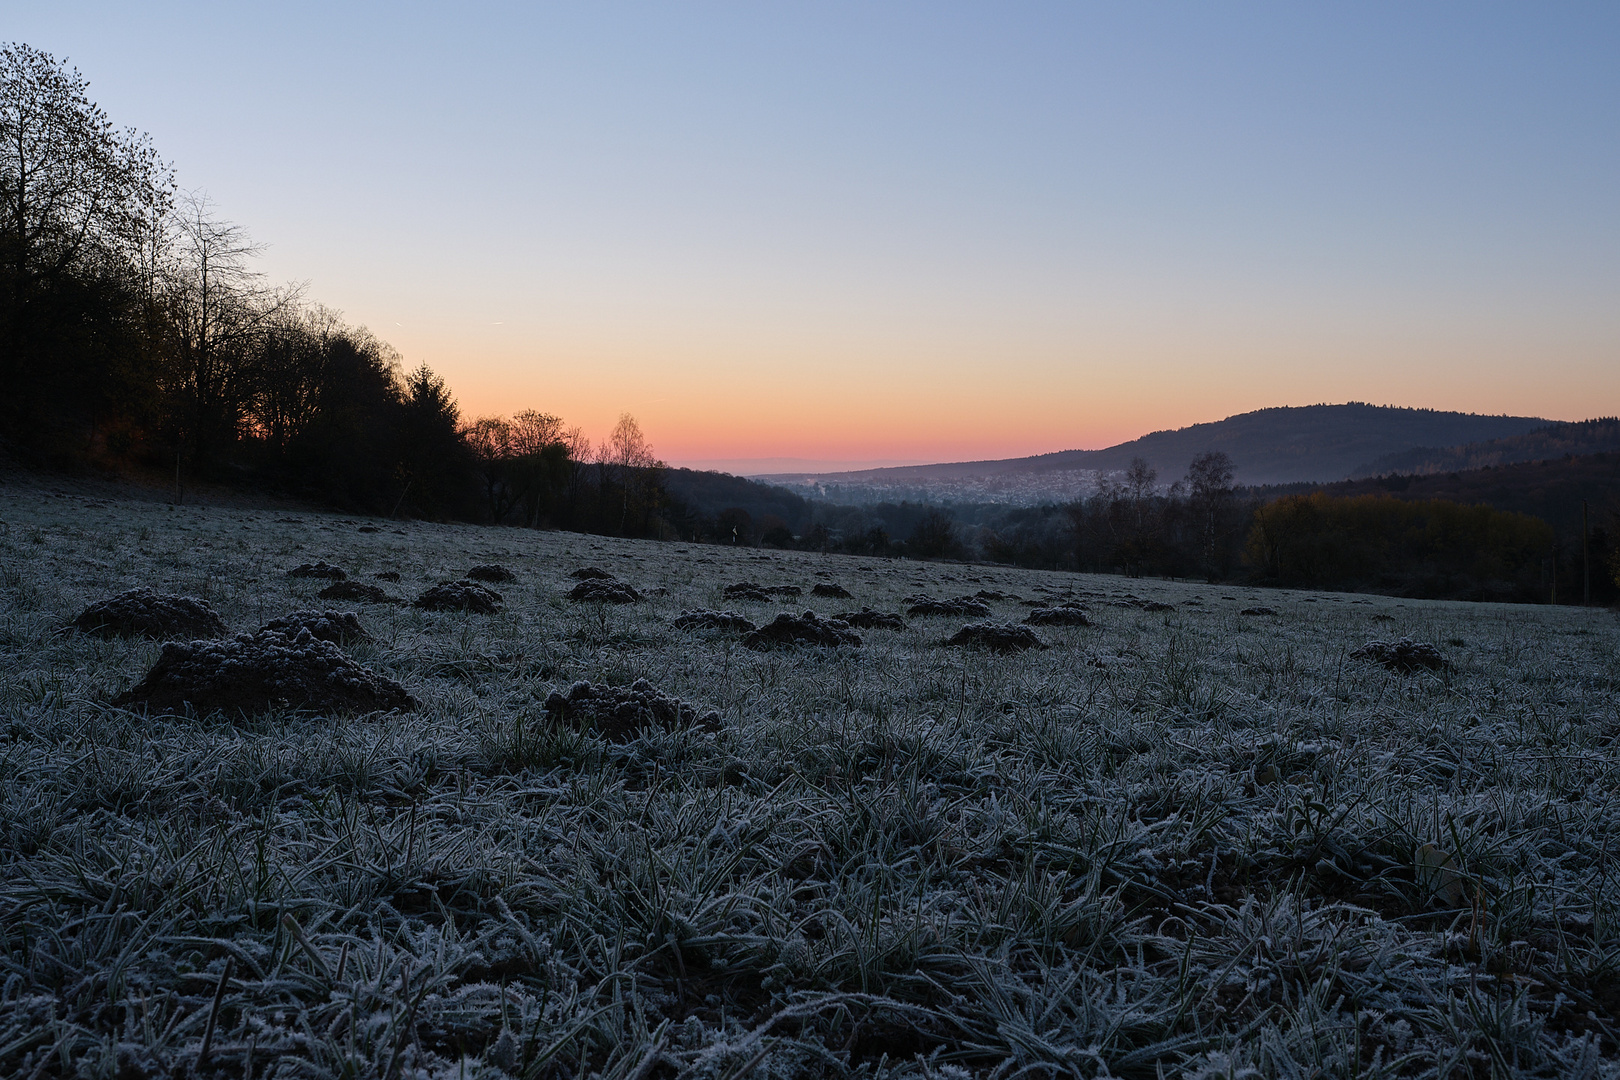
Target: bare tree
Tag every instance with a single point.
(632, 462)
(1209, 483)
(216, 309)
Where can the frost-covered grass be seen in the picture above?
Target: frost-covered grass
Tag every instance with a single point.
(1176, 843)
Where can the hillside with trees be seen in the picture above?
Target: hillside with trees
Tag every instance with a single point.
(1553, 441)
(1268, 446)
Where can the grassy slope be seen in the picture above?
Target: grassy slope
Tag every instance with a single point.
(1179, 839)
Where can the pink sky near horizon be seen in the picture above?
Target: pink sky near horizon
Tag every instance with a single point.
(890, 405)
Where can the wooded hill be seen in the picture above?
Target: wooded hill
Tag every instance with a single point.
(1550, 489)
(1553, 441)
(1267, 446)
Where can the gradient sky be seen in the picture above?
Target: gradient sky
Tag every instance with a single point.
(867, 233)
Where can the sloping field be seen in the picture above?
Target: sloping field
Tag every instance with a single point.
(1179, 841)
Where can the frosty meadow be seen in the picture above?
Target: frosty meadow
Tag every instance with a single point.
(1204, 831)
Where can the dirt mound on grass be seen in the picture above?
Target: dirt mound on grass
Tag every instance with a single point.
(704, 619)
(585, 573)
(960, 605)
(867, 619)
(1258, 611)
(788, 630)
(338, 627)
(253, 672)
(748, 590)
(620, 713)
(751, 593)
(492, 572)
(354, 590)
(997, 637)
(837, 592)
(1067, 615)
(150, 614)
(1404, 656)
(322, 569)
(603, 590)
(459, 596)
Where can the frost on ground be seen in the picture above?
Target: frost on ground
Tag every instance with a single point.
(1186, 842)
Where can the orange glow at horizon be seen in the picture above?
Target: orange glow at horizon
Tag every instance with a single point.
(933, 403)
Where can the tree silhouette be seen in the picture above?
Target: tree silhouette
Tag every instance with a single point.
(75, 198)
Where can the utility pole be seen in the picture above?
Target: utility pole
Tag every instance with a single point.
(1586, 561)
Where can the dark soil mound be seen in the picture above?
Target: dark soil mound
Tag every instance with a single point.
(387, 575)
(997, 637)
(253, 672)
(806, 629)
(322, 569)
(867, 619)
(145, 613)
(368, 529)
(960, 605)
(747, 590)
(837, 592)
(354, 590)
(1258, 611)
(585, 573)
(620, 713)
(1155, 605)
(987, 594)
(338, 627)
(491, 572)
(752, 593)
(460, 596)
(1067, 615)
(1404, 656)
(603, 590)
(714, 620)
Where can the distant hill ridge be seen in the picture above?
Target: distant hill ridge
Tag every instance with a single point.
(1553, 441)
(1287, 444)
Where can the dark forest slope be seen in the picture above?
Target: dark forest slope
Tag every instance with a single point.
(1552, 441)
(1551, 489)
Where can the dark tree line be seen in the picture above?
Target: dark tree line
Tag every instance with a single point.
(135, 331)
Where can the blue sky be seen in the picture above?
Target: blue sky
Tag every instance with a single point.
(859, 233)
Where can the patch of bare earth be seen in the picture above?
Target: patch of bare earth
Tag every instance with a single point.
(254, 672)
(150, 614)
(620, 713)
